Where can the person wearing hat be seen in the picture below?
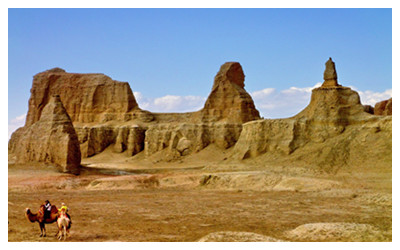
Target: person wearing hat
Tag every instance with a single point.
(47, 209)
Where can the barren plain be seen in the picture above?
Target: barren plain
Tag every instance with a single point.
(190, 201)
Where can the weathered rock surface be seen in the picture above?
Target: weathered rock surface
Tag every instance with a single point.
(219, 122)
(126, 138)
(86, 97)
(327, 115)
(51, 139)
(177, 140)
(383, 107)
(104, 112)
(333, 130)
(228, 100)
(339, 231)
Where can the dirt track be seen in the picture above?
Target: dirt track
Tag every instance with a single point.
(168, 213)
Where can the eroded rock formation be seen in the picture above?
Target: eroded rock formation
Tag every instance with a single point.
(104, 113)
(228, 100)
(176, 140)
(87, 97)
(383, 107)
(335, 129)
(220, 121)
(51, 139)
(330, 75)
(331, 131)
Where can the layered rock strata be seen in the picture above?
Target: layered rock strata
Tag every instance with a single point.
(87, 97)
(51, 139)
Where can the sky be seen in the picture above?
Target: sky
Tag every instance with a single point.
(170, 56)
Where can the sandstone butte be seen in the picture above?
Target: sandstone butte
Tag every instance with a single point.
(334, 130)
(52, 139)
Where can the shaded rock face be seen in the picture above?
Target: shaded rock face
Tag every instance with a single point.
(228, 100)
(86, 97)
(126, 138)
(51, 139)
(383, 107)
(369, 109)
(333, 130)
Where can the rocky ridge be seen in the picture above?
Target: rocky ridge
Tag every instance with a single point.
(104, 112)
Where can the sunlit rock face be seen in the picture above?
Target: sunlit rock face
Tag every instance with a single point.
(52, 139)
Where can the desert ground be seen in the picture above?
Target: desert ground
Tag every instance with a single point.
(118, 198)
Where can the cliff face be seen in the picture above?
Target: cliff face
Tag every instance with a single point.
(126, 138)
(86, 97)
(52, 139)
(176, 140)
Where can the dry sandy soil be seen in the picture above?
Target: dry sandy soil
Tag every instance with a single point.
(146, 200)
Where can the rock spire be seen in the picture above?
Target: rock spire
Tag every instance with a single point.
(330, 75)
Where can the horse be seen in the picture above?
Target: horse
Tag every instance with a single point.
(63, 223)
(39, 217)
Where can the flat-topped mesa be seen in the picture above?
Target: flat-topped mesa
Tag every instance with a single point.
(86, 97)
(330, 75)
(52, 139)
(228, 100)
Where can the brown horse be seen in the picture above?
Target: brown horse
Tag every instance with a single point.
(39, 217)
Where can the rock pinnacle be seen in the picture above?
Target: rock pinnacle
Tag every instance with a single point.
(330, 75)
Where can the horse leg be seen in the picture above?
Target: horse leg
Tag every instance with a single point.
(59, 231)
(65, 231)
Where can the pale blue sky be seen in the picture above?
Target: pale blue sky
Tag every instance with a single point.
(164, 52)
